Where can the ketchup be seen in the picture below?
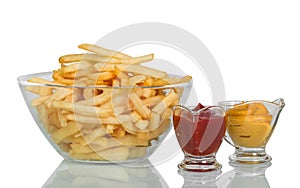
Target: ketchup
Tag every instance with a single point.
(199, 133)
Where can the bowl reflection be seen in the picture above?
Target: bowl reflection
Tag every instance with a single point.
(199, 179)
(72, 174)
(245, 175)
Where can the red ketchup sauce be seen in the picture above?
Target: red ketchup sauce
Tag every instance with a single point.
(201, 133)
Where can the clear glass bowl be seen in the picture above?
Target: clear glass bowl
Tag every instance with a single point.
(250, 125)
(199, 133)
(102, 124)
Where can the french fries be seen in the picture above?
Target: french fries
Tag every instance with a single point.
(105, 105)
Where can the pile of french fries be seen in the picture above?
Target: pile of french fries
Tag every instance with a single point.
(104, 105)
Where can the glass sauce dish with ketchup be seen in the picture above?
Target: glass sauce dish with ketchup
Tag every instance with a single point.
(199, 131)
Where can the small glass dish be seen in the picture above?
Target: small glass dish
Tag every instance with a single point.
(199, 132)
(104, 128)
(250, 125)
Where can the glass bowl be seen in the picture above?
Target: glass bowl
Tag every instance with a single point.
(250, 125)
(199, 132)
(102, 123)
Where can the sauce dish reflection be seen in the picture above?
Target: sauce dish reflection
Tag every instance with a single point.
(245, 175)
(71, 174)
(199, 179)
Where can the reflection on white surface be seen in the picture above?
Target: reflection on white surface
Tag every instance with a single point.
(246, 176)
(72, 174)
(199, 179)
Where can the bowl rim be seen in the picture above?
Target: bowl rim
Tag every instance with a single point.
(231, 103)
(22, 80)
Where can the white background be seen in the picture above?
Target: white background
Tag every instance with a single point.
(255, 43)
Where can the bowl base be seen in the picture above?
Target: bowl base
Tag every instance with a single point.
(249, 157)
(199, 164)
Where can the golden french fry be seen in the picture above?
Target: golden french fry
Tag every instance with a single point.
(152, 101)
(53, 119)
(101, 76)
(74, 140)
(102, 51)
(124, 118)
(83, 109)
(37, 101)
(115, 154)
(131, 140)
(60, 79)
(154, 121)
(90, 92)
(81, 74)
(112, 154)
(128, 140)
(43, 115)
(110, 128)
(92, 120)
(120, 74)
(124, 82)
(165, 103)
(64, 146)
(147, 92)
(85, 156)
(149, 81)
(71, 58)
(144, 58)
(141, 108)
(101, 141)
(136, 152)
(135, 116)
(142, 124)
(138, 91)
(119, 132)
(51, 128)
(138, 60)
(82, 148)
(94, 147)
(70, 75)
(62, 120)
(129, 127)
(86, 125)
(104, 67)
(97, 132)
(166, 114)
(64, 132)
(136, 79)
(40, 90)
(185, 79)
(155, 133)
(83, 65)
(115, 83)
(41, 81)
(171, 80)
(97, 100)
(75, 96)
(82, 132)
(142, 70)
(117, 100)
